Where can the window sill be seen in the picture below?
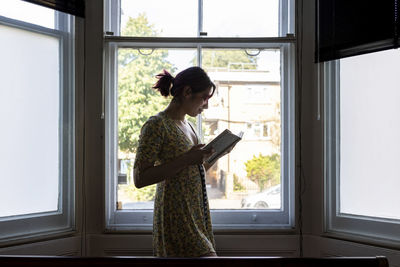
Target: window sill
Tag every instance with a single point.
(37, 237)
(217, 231)
(361, 239)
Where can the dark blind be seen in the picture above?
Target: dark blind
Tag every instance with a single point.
(73, 7)
(352, 27)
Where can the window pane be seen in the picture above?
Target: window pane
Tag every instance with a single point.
(369, 135)
(137, 101)
(172, 18)
(27, 12)
(29, 115)
(248, 177)
(251, 18)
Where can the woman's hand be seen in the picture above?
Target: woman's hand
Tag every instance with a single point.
(197, 155)
(208, 165)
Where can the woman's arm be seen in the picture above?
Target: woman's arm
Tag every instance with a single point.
(147, 174)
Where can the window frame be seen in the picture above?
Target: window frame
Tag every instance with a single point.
(141, 220)
(353, 226)
(63, 220)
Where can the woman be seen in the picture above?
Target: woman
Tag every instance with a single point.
(171, 155)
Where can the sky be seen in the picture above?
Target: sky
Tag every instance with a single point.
(221, 18)
(228, 18)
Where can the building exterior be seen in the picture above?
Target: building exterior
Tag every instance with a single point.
(248, 101)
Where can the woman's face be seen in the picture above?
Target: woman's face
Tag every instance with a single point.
(197, 102)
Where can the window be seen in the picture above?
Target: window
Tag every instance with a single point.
(362, 145)
(254, 94)
(37, 114)
(259, 94)
(266, 130)
(260, 130)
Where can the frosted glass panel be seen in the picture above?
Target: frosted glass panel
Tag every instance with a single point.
(27, 12)
(29, 119)
(369, 135)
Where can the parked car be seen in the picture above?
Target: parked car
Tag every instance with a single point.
(267, 199)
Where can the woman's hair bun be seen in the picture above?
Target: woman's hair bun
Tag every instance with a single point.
(164, 83)
(194, 77)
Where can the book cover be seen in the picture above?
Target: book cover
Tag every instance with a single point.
(222, 143)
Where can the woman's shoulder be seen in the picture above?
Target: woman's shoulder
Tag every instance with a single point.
(155, 121)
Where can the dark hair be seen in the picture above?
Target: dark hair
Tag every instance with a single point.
(195, 77)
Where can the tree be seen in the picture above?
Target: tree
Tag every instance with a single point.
(237, 185)
(137, 100)
(264, 170)
(232, 59)
(143, 195)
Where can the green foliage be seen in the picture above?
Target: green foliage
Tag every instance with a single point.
(143, 194)
(232, 59)
(139, 26)
(137, 100)
(237, 186)
(264, 170)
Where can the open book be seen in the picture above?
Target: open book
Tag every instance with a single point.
(222, 143)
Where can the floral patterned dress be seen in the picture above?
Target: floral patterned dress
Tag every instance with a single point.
(180, 228)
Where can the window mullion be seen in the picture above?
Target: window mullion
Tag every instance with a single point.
(208, 42)
(200, 17)
(30, 27)
(112, 10)
(199, 118)
(111, 96)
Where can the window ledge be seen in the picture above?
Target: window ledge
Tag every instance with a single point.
(216, 230)
(362, 239)
(37, 237)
